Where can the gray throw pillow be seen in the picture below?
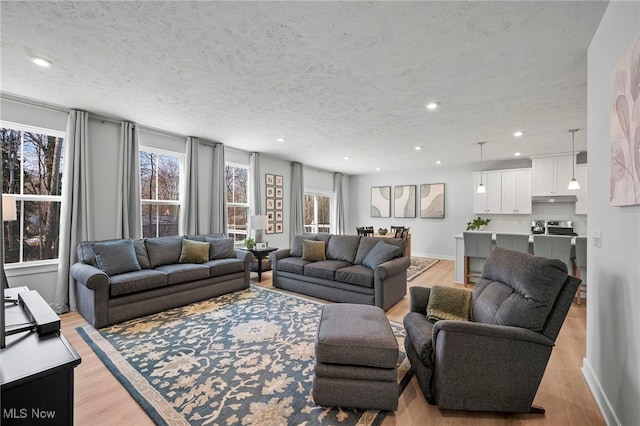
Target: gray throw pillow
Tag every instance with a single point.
(116, 257)
(163, 250)
(221, 248)
(380, 253)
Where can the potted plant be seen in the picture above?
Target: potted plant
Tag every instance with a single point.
(477, 223)
(249, 243)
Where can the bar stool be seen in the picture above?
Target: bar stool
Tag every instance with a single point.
(554, 247)
(517, 242)
(580, 263)
(476, 245)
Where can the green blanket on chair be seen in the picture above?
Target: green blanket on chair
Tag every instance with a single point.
(449, 303)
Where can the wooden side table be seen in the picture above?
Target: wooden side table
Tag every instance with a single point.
(259, 255)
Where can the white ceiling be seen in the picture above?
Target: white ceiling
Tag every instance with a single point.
(335, 79)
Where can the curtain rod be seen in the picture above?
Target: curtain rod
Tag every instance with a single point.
(33, 102)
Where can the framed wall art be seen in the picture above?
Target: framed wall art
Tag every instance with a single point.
(279, 180)
(404, 201)
(269, 179)
(274, 195)
(270, 191)
(270, 203)
(279, 228)
(279, 192)
(381, 201)
(432, 201)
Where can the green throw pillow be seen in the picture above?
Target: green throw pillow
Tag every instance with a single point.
(313, 250)
(194, 251)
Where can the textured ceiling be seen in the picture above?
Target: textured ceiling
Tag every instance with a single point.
(335, 79)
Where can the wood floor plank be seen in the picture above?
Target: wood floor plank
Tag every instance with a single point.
(101, 400)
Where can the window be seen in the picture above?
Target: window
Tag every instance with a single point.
(32, 160)
(159, 192)
(317, 212)
(237, 178)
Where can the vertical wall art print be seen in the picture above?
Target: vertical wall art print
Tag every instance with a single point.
(274, 195)
(432, 201)
(381, 201)
(404, 201)
(625, 129)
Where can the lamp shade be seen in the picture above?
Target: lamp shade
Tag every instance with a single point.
(259, 222)
(9, 211)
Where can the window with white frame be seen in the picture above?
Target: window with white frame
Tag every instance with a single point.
(317, 212)
(160, 174)
(237, 180)
(32, 164)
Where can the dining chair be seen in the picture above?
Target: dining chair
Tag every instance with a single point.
(477, 245)
(554, 247)
(396, 230)
(580, 264)
(517, 242)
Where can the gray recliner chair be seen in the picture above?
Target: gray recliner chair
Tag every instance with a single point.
(494, 362)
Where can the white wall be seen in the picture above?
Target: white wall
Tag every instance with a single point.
(613, 275)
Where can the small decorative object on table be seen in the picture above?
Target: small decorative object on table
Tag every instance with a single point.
(249, 243)
(382, 231)
(261, 246)
(477, 223)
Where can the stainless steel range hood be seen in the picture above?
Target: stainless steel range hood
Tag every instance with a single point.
(554, 199)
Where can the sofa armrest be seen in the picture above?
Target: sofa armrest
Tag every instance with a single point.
(392, 267)
(89, 276)
(274, 256)
(244, 255)
(419, 299)
(492, 334)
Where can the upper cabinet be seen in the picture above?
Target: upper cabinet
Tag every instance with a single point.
(508, 192)
(551, 175)
(516, 191)
(581, 194)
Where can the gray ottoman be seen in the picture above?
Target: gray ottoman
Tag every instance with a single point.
(356, 358)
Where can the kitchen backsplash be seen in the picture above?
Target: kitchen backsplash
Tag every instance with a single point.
(550, 211)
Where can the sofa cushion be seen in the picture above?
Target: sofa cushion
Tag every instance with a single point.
(86, 254)
(380, 253)
(325, 269)
(313, 250)
(368, 243)
(343, 247)
(184, 272)
(356, 274)
(220, 267)
(141, 254)
(116, 257)
(517, 289)
(194, 251)
(163, 250)
(221, 248)
(132, 282)
(203, 237)
(292, 264)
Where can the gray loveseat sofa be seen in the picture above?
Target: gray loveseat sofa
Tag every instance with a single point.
(117, 280)
(356, 269)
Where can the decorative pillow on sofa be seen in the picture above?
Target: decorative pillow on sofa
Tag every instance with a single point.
(296, 247)
(163, 250)
(313, 250)
(194, 252)
(221, 248)
(380, 253)
(116, 257)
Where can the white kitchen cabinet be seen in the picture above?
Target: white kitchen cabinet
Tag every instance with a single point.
(516, 191)
(491, 201)
(551, 175)
(581, 194)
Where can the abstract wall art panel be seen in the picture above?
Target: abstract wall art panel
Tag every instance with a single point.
(432, 201)
(381, 201)
(404, 201)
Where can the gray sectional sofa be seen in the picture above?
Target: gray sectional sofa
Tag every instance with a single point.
(117, 280)
(355, 269)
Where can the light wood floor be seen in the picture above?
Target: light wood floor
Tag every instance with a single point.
(101, 400)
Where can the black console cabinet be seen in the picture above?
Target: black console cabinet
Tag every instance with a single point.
(37, 376)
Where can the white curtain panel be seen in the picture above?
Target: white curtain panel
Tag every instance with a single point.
(255, 205)
(189, 217)
(75, 218)
(218, 219)
(129, 208)
(339, 209)
(297, 201)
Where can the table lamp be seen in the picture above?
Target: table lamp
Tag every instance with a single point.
(258, 224)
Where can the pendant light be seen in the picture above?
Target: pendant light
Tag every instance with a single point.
(481, 189)
(573, 183)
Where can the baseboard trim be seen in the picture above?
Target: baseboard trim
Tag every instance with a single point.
(601, 398)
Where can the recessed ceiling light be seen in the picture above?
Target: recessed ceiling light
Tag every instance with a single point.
(438, 162)
(418, 148)
(432, 105)
(346, 158)
(41, 62)
(518, 134)
(517, 154)
(280, 140)
(378, 168)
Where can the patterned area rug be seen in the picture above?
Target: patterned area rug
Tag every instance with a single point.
(244, 358)
(418, 266)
